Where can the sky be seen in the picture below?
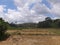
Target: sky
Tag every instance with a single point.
(23, 11)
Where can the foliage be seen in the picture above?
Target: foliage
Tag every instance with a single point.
(3, 28)
(49, 23)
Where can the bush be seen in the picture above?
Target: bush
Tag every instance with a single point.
(3, 28)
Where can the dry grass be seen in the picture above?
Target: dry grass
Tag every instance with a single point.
(29, 37)
(31, 31)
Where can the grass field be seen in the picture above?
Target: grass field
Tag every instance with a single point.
(33, 37)
(36, 31)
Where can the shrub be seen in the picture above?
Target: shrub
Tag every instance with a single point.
(3, 28)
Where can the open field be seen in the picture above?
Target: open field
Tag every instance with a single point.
(36, 31)
(33, 37)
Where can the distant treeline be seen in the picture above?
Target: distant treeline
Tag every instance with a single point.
(47, 23)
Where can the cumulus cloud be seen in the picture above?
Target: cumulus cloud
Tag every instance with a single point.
(41, 9)
(23, 14)
(55, 10)
(35, 14)
(22, 3)
(2, 9)
(30, 11)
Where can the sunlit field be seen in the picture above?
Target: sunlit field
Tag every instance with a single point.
(37, 31)
(33, 37)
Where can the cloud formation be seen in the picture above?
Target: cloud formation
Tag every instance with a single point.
(30, 11)
(55, 7)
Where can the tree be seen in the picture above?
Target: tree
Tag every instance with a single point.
(45, 24)
(48, 21)
(3, 28)
(57, 23)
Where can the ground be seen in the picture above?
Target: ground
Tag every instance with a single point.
(32, 37)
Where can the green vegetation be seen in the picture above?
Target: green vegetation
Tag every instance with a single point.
(49, 23)
(56, 31)
(3, 28)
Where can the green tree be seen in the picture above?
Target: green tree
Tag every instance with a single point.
(45, 24)
(48, 21)
(57, 23)
(3, 28)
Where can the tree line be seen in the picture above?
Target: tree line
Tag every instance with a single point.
(49, 23)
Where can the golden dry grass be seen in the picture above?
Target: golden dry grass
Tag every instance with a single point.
(29, 37)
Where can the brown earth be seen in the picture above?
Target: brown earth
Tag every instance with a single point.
(30, 38)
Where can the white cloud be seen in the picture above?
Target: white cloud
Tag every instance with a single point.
(2, 8)
(55, 10)
(41, 9)
(24, 14)
(13, 15)
(21, 17)
(21, 3)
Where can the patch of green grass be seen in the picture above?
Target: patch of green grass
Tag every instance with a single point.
(55, 31)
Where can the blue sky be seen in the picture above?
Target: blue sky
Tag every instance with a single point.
(47, 3)
(25, 10)
(10, 4)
